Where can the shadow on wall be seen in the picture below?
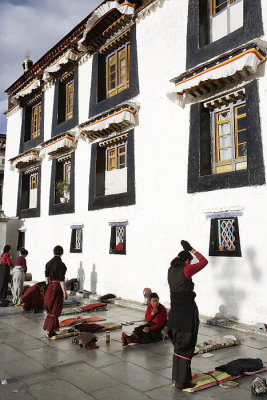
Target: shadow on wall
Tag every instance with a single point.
(81, 276)
(93, 279)
(230, 291)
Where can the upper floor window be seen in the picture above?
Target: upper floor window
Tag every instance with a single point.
(229, 138)
(33, 119)
(226, 16)
(117, 157)
(29, 195)
(69, 99)
(117, 70)
(219, 5)
(36, 121)
(65, 99)
(63, 178)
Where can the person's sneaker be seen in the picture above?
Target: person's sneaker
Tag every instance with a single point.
(124, 339)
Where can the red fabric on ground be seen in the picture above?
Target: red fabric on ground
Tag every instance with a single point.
(32, 298)
(91, 307)
(53, 301)
(72, 321)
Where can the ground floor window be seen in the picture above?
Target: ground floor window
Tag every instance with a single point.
(76, 239)
(118, 238)
(224, 237)
(21, 240)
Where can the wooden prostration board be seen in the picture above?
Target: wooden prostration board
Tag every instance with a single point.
(107, 326)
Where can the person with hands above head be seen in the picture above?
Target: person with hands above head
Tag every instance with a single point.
(156, 317)
(183, 316)
(55, 292)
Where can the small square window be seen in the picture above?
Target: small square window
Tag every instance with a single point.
(118, 239)
(224, 237)
(76, 239)
(117, 157)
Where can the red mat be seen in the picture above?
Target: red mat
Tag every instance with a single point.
(73, 321)
(91, 307)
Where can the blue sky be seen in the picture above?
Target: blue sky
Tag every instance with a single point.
(37, 25)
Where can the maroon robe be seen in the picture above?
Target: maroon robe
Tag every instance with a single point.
(32, 298)
(53, 301)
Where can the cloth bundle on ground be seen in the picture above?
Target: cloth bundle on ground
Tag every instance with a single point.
(216, 344)
(107, 297)
(259, 386)
(87, 328)
(78, 320)
(72, 284)
(87, 341)
(33, 298)
(214, 378)
(89, 307)
(71, 303)
(105, 326)
(241, 365)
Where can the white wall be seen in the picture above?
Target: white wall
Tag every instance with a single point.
(164, 212)
(116, 181)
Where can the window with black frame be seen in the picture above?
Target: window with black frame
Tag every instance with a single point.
(224, 237)
(117, 239)
(76, 239)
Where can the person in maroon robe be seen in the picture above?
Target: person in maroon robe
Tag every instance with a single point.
(55, 293)
(33, 298)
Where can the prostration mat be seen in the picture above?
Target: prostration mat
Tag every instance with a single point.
(107, 326)
(213, 378)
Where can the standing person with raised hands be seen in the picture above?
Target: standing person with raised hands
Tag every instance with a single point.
(55, 293)
(183, 317)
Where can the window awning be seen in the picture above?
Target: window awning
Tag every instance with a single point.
(25, 159)
(35, 83)
(237, 65)
(116, 120)
(126, 8)
(69, 55)
(58, 145)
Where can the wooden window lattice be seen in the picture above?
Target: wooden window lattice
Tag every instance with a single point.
(69, 99)
(118, 69)
(36, 120)
(226, 234)
(34, 181)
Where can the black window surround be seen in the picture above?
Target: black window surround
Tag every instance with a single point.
(214, 246)
(29, 212)
(66, 125)
(62, 208)
(98, 101)
(72, 241)
(112, 244)
(198, 145)
(97, 199)
(26, 126)
(197, 35)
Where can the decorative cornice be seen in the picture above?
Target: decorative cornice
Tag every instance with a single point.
(151, 7)
(84, 59)
(12, 111)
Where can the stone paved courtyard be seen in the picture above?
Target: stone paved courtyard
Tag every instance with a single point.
(37, 368)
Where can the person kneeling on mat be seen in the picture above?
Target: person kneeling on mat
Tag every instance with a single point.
(32, 299)
(156, 317)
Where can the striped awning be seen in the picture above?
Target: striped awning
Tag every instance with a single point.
(69, 55)
(58, 145)
(237, 65)
(35, 83)
(115, 120)
(126, 8)
(25, 159)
